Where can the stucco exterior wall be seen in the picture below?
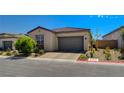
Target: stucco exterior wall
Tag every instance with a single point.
(116, 36)
(49, 38)
(87, 37)
(7, 39)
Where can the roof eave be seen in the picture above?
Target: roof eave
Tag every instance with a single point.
(38, 28)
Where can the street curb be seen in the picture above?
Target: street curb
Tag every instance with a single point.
(52, 59)
(116, 63)
(48, 59)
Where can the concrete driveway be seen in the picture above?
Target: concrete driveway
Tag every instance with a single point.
(58, 55)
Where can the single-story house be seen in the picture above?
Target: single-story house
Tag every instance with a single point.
(62, 39)
(7, 41)
(115, 35)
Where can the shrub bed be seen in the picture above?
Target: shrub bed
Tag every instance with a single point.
(83, 57)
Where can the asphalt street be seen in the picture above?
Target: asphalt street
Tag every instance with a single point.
(10, 67)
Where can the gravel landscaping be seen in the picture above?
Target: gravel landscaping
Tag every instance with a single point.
(114, 55)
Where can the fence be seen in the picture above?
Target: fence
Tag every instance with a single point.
(107, 43)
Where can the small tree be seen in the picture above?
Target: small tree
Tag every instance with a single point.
(97, 36)
(25, 45)
(94, 39)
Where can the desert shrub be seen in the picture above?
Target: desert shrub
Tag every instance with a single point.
(121, 57)
(83, 56)
(107, 49)
(117, 49)
(25, 45)
(107, 53)
(108, 56)
(36, 50)
(91, 52)
(1, 52)
(36, 55)
(94, 44)
(33, 54)
(41, 51)
(15, 52)
(8, 50)
(8, 53)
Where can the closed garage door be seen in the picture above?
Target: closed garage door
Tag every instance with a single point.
(70, 44)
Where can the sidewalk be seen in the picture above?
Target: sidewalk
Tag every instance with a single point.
(37, 58)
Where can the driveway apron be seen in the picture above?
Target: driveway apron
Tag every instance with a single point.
(56, 55)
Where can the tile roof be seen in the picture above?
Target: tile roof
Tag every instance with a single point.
(69, 29)
(8, 35)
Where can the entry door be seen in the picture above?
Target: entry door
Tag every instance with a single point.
(71, 44)
(7, 44)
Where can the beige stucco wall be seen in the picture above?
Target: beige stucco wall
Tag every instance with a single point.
(115, 36)
(87, 37)
(7, 39)
(49, 38)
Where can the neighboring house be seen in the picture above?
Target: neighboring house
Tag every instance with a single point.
(7, 41)
(115, 35)
(62, 39)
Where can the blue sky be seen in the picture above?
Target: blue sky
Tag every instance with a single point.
(23, 24)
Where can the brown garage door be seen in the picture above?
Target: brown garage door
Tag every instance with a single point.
(70, 44)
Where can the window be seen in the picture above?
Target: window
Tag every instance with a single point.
(40, 39)
(7, 44)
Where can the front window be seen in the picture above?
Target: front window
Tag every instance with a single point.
(40, 40)
(7, 44)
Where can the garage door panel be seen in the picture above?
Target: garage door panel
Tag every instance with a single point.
(71, 43)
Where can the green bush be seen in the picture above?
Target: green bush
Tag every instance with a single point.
(83, 56)
(25, 45)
